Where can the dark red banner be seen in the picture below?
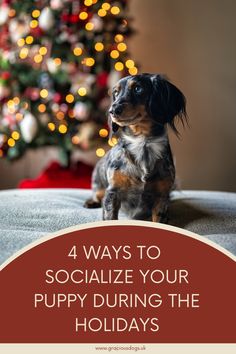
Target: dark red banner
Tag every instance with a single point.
(119, 284)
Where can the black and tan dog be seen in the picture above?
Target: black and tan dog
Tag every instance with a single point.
(138, 174)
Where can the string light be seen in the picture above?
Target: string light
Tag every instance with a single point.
(62, 128)
(75, 139)
(44, 93)
(11, 142)
(12, 108)
(15, 135)
(100, 152)
(114, 54)
(21, 42)
(60, 115)
(43, 50)
(10, 103)
(11, 12)
(24, 53)
(38, 58)
(82, 91)
(71, 113)
(34, 23)
(89, 26)
(113, 141)
(1, 153)
(36, 13)
(102, 12)
(115, 10)
(122, 47)
(83, 15)
(16, 100)
(19, 116)
(57, 61)
(119, 66)
(106, 6)
(119, 38)
(41, 108)
(77, 51)
(29, 40)
(88, 2)
(133, 71)
(129, 63)
(103, 133)
(51, 126)
(89, 61)
(70, 98)
(99, 46)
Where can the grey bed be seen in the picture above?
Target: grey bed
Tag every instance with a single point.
(26, 215)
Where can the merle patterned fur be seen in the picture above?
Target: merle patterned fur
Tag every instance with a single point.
(138, 174)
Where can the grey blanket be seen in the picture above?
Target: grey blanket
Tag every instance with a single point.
(26, 215)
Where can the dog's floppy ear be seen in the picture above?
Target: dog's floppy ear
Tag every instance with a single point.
(167, 103)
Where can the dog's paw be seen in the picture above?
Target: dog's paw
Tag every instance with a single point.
(92, 204)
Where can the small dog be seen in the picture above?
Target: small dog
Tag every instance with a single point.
(138, 174)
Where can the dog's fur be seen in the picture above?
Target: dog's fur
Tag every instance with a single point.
(138, 174)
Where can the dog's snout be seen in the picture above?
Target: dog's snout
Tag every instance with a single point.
(117, 109)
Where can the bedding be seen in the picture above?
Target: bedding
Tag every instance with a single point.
(26, 215)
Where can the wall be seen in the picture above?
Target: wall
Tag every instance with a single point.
(193, 42)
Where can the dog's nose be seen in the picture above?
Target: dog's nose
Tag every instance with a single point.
(117, 109)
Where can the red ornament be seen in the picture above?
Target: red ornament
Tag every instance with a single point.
(36, 32)
(74, 18)
(65, 17)
(102, 79)
(6, 2)
(5, 75)
(4, 38)
(32, 93)
(57, 97)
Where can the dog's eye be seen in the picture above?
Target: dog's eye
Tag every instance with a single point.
(115, 93)
(138, 89)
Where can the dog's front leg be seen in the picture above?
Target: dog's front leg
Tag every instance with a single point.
(111, 204)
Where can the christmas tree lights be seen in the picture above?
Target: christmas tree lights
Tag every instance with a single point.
(58, 61)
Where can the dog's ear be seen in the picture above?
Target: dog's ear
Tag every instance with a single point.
(167, 103)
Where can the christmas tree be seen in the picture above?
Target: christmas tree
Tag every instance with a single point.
(58, 60)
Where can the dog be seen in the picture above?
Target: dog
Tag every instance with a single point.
(138, 174)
